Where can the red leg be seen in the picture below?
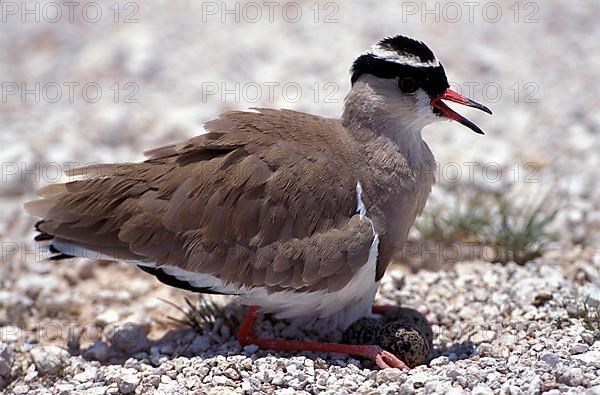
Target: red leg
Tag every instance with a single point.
(381, 309)
(246, 331)
(382, 358)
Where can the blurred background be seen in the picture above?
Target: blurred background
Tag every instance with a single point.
(103, 81)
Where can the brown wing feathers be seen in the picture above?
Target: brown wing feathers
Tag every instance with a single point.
(251, 202)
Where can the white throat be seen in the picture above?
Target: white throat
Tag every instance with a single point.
(374, 107)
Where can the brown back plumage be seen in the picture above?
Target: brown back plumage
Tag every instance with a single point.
(265, 198)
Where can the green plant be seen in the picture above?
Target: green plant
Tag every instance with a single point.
(198, 315)
(581, 309)
(464, 222)
(520, 235)
(494, 220)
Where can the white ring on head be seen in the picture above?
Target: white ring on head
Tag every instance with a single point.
(404, 59)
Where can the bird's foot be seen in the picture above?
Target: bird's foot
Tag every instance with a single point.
(382, 358)
(385, 359)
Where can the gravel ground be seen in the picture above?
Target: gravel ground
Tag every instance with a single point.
(489, 337)
(99, 327)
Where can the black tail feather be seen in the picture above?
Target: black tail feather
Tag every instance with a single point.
(59, 257)
(43, 237)
(175, 282)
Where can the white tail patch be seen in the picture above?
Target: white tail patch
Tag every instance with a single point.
(360, 206)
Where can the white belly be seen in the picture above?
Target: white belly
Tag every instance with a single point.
(341, 307)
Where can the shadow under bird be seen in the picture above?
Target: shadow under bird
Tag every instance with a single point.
(295, 214)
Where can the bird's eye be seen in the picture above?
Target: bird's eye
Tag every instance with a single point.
(408, 85)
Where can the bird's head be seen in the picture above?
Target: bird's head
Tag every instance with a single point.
(404, 78)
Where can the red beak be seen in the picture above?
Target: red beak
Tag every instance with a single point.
(451, 114)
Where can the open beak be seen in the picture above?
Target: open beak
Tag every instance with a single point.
(451, 114)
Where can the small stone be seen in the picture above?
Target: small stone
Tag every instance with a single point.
(33, 285)
(219, 380)
(278, 378)
(515, 390)
(102, 390)
(85, 386)
(579, 348)
(14, 299)
(390, 376)
(588, 337)
(481, 389)
(247, 386)
(64, 388)
(152, 380)
(130, 339)
(406, 388)
(107, 317)
(192, 382)
(595, 390)
(231, 373)
(486, 349)
(572, 377)
(535, 384)
(453, 373)
(31, 374)
(286, 391)
(419, 379)
(49, 359)
(20, 389)
(483, 337)
(132, 363)
(541, 298)
(538, 347)
(128, 383)
(455, 391)
(439, 361)
(550, 358)
(591, 358)
(507, 339)
(164, 379)
(107, 295)
(89, 374)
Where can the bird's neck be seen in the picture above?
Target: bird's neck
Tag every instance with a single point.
(367, 119)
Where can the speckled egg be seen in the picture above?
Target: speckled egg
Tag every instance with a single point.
(406, 341)
(412, 316)
(363, 331)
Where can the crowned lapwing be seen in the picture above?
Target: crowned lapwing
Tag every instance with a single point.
(294, 214)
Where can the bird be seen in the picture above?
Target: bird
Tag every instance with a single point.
(294, 214)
